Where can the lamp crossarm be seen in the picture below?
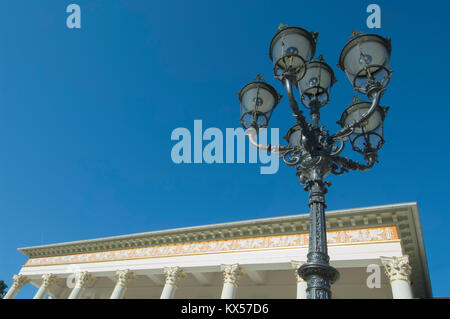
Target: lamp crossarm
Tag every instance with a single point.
(347, 130)
(252, 134)
(291, 154)
(301, 120)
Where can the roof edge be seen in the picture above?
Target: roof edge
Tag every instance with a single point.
(422, 251)
(168, 232)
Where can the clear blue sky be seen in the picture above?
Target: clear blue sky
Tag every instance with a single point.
(86, 117)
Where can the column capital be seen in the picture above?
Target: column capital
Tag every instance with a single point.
(231, 273)
(174, 275)
(48, 280)
(19, 281)
(124, 277)
(83, 279)
(296, 265)
(397, 268)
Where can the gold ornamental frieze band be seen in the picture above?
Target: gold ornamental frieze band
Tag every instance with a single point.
(350, 236)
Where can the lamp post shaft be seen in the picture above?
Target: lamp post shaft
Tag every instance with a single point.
(317, 271)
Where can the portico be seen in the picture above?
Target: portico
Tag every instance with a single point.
(248, 259)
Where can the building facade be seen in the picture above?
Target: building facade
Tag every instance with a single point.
(379, 252)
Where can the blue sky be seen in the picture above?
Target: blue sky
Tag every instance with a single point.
(86, 117)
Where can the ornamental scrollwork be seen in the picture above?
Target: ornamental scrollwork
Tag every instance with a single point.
(291, 155)
(324, 158)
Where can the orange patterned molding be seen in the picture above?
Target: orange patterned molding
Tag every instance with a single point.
(350, 236)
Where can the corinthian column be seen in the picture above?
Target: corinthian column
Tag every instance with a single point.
(231, 275)
(19, 282)
(48, 280)
(398, 270)
(82, 280)
(301, 283)
(173, 276)
(123, 279)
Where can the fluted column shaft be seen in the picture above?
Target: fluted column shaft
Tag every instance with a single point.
(18, 282)
(124, 277)
(173, 276)
(398, 270)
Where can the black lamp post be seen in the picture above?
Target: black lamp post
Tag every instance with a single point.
(311, 149)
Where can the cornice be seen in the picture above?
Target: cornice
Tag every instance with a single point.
(338, 219)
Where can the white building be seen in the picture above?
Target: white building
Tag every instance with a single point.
(378, 251)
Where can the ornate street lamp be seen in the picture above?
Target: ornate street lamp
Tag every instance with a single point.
(258, 100)
(367, 137)
(365, 60)
(311, 149)
(315, 86)
(290, 49)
